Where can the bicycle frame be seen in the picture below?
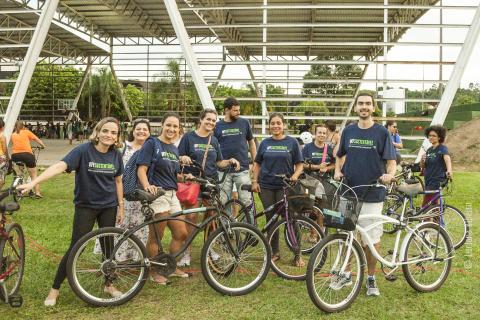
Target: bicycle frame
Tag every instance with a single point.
(176, 217)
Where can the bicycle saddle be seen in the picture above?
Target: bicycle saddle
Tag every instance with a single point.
(246, 187)
(9, 207)
(410, 189)
(142, 195)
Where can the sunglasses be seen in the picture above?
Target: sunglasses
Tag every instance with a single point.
(140, 120)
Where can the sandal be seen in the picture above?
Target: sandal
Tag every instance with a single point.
(37, 196)
(275, 257)
(160, 282)
(182, 275)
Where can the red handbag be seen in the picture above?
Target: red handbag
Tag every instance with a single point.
(187, 192)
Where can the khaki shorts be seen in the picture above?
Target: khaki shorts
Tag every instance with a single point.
(370, 208)
(166, 203)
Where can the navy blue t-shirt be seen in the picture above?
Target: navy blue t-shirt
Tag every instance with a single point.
(435, 167)
(166, 167)
(233, 138)
(315, 154)
(366, 151)
(95, 174)
(193, 145)
(277, 157)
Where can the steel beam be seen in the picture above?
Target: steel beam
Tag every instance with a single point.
(120, 92)
(190, 58)
(455, 78)
(28, 66)
(334, 25)
(86, 74)
(332, 6)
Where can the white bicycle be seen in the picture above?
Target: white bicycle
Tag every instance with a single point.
(336, 268)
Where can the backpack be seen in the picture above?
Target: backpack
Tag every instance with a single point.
(130, 178)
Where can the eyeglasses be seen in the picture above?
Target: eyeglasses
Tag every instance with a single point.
(140, 120)
(395, 127)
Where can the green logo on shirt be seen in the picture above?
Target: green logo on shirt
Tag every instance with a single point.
(362, 143)
(169, 156)
(101, 167)
(277, 148)
(317, 154)
(231, 132)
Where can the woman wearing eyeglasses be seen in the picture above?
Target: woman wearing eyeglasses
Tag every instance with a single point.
(396, 140)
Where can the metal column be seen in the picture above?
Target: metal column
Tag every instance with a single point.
(28, 65)
(264, 70)
(455, 78)
(120, 91)
(181, 32)
(86, 75)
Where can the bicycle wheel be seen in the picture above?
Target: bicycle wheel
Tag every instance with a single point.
(294, 246)
(429, 251)
(12, 259)
(237, 210)
(334, 278)
(392, 207)
(454, 221)
(243, 259)
(17, 196)
(89, 271)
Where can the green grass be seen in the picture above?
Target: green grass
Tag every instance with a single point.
(48, 221)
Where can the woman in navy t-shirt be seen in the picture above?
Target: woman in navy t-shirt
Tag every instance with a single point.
(166, 171)
(319, 150)
(193, 147)
(436, 162)
(279, 154)
(98, 195)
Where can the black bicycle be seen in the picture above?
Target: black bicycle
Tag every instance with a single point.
(235, 259)
(21, 176)
(291, 233)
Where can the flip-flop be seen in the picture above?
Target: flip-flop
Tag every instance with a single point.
(163, 283)
(275, 257)
(182, 275)
(37, 196)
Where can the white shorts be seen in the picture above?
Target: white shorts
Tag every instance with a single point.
(370, 208)
(166, 203)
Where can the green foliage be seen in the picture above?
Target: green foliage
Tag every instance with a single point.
(49, 83)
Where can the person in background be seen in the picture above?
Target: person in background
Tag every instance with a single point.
(437, 163)
(22, 151)
(236, 140)
(4, 158)
(98, 195)
(276, 155)
(396, 140)
(332, 136)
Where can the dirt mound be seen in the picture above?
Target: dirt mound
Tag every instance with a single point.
(464, 146)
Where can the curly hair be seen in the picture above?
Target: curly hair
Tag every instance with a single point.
(439, 130)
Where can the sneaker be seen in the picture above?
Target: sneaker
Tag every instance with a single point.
(341, 280)
(372, 289)
(185, 260)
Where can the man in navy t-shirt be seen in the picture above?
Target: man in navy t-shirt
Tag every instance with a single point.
(236, 139)
(365, 154)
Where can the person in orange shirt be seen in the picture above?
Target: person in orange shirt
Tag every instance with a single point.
(22, 151)
(4, 159)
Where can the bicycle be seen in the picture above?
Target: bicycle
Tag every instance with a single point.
(292, 229)
(336, 268)
(12, 254)
(21, 176)
(241, 263)
(449, 217)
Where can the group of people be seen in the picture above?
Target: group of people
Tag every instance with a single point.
(364, 152)
(69, 129)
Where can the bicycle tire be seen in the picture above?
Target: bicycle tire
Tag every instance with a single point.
(423, 231)
(237, 210)
(454, 222)
(86, 245)
(17, 196)
(244, 239)
(286, 268)
(12, 252)
(391, 204)
(320, 267)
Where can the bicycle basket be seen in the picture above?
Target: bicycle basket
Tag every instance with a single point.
(344, 213)
(300, 196)
(325, 193)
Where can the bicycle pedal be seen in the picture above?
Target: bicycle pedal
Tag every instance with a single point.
(15, 301)
(391, 277)
(390, 251)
